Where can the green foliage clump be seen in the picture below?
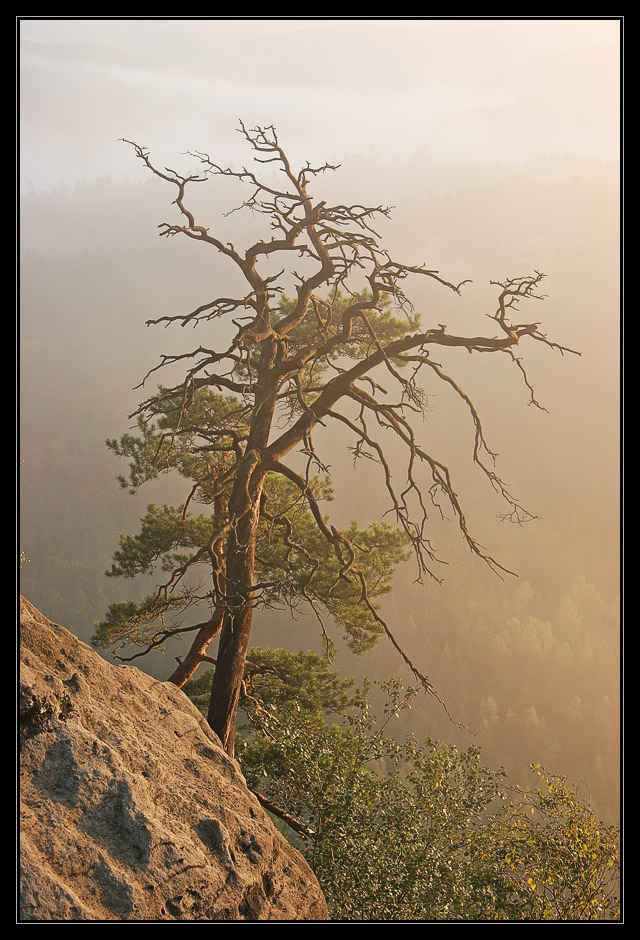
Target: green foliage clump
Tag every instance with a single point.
(163, 530)
(294, 569)
(327, 319)
(278, 678)
(410, 830)
(142, 623)
(552, 858)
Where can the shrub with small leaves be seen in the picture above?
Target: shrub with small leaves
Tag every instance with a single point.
(422, 830)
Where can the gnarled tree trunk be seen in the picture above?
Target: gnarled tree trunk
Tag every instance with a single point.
(236, 625)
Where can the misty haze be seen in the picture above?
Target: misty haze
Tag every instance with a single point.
(491, 173)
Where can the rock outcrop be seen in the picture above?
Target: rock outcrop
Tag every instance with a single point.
(129, 808)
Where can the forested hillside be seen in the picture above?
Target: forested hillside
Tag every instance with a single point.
(529, 665)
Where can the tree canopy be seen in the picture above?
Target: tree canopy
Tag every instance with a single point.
(333, 341)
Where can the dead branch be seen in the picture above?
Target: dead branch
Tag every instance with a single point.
(298, 367)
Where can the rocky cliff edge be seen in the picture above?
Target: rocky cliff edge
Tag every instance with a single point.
(129, 808)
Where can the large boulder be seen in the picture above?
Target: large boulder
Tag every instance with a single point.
(129, 808)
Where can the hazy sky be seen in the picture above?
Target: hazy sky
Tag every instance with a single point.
(468, 90)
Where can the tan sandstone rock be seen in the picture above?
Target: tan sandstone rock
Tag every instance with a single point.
(129, 808)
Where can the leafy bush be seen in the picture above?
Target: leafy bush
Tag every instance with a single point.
(417, 830)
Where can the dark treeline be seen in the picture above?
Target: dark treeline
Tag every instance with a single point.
(530, 665)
